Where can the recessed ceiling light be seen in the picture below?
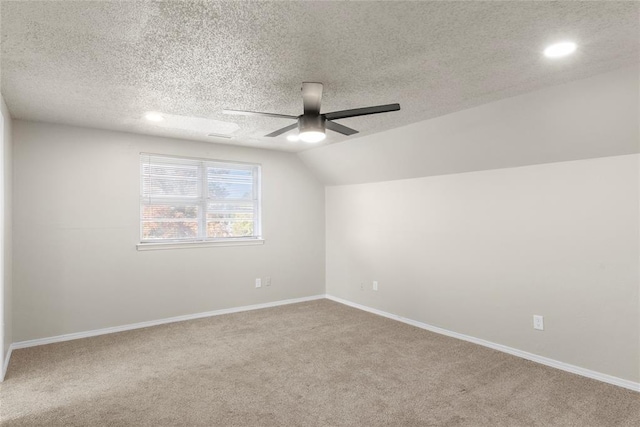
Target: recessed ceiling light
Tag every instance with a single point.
(293, 137)
(153, 116)
(312, 136)
(559, 50)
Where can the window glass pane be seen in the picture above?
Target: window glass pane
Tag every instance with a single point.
(167, 180)
(159, 230)
(229, 183)
(234, 219)
(169, 211)
(229, 229)
(163, 221)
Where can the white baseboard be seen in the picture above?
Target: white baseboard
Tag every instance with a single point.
(513, 351)
(520, 353)
(5, 365)
(87, 334)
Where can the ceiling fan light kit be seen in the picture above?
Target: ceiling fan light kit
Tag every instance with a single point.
(311, 128)
(312, 125)
(312, 136)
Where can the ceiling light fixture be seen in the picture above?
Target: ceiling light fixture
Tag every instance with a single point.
(153, 116)
(559, 50)
(312, 127)
(293, 137)
(312, 136)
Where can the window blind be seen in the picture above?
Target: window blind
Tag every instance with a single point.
(184, 199)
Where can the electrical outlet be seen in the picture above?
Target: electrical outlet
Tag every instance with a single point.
(538, 322)
(267, 281)
(375, 285)
(258, 283)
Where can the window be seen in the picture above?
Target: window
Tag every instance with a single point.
(196, 200)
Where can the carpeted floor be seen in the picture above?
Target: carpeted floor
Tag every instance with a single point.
(311, 364)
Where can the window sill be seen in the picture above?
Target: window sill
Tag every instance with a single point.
(207, 244)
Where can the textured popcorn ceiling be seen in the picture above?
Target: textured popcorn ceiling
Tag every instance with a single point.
(104, 64)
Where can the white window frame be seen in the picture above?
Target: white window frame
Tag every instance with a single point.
(203, 200)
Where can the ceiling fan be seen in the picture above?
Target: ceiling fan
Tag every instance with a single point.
(311, 123)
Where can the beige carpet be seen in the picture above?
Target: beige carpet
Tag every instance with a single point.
(312, 364)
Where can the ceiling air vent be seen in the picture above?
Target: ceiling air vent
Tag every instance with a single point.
(219, 135)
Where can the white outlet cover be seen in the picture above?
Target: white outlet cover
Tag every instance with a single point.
(538, 322)
(258, 283)
(268, 281)
(375, 285)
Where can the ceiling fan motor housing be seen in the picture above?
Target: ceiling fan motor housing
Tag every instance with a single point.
(311, 123)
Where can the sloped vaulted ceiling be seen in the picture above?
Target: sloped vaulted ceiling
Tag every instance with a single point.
(104, 64)
(594, 117)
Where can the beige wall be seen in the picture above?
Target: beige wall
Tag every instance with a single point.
(76, 210)
(6, 247)
(479, 253)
